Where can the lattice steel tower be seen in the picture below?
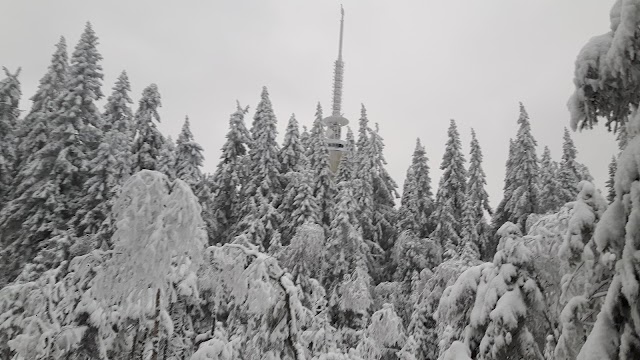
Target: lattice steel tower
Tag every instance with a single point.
(335, 122)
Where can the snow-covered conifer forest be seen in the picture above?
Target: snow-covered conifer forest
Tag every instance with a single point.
(115, 244)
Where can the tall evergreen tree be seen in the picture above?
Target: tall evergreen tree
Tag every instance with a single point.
(117, 112)
(148, 141)
(298, 204)
(502, 214)
(304, 139)
(451, 195)
(548, 183)
(346, 253)
(263, 163)
(363, 129)
(324, 189)
(77, 128)
(262, 222)
(27, 218)
(568, 174)
(167, 158)
(35, 128)
(189, 158)
(109, 167)
(292, 152)
(611, 193)
(226, 181)
(622, 136)
(43, 205)
(384, 193)
(525, 197)
(364, 193)
(583, 172)
(10, 94)
(417, 197)
(406, 217)
(476, 228)
(347, 166)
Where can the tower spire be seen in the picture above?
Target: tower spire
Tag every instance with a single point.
(338, 72)
(341, 32)
(336, 121)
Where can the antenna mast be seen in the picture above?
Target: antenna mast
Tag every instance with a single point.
(338, 73)
(336, 121)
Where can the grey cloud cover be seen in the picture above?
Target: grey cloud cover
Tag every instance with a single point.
(414, 64)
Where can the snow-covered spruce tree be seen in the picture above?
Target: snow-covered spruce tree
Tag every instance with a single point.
(417, 198)
(475, 226)
(451, 195)
(34, 129)
(568, 175)
(427, 288)
(364, 194)
(189, 158)
(605, 89)
(109, 166)
(48, 198)
(548, 184)
(583, 276)
(525, 197)
(117, 112)
(107, 170)
(611, 192)
(167, 158)
(292, 152)
(382, 193)
(363, 129)
(406, 218)
(324, 188)
(48, 317)
(10, 94)
(261, 223)
(488, 307)
(410, 256)
(83, 88)
(148, 141)
(384, 336)
(264, 311)
(347, 166)
(502, 213)
(346, 275)
(304, 139)
(263, 163)
(303, 256)
(298, 205)
(158, 225)
(584, 173)
(226, 180)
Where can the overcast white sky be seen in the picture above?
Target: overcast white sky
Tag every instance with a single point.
(414, 64)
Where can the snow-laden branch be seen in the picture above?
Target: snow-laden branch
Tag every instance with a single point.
(291, 292)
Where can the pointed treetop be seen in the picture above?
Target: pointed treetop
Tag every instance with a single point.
(186, 129)
(117, 112)
(241, 109)
(85, 60)
(55, 78)
(364, 127)
(150, 101)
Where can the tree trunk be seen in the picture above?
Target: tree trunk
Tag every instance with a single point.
(135, 341)
(156, 328)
